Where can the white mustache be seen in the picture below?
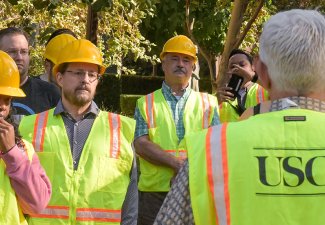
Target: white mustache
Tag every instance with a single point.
(180, 70)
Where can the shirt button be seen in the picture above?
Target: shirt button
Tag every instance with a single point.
(75, 162)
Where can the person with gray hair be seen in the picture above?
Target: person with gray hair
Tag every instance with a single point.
(274, 175)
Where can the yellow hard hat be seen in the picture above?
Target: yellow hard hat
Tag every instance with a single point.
(80, 50)
(55, 45)
(9, 77)
(179, 44)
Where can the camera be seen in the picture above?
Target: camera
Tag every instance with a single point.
(235, 83)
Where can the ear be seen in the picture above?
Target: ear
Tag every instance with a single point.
(194, 66)
(59, 78)
(163, 65)
(263, 74)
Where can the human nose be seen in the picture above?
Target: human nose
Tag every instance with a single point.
(180, 63)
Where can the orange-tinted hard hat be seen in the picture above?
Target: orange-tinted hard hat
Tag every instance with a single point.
(82, 51)
(55, 45)
(179, 44)
(9, 77)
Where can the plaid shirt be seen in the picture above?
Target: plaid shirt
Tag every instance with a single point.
(177, 105)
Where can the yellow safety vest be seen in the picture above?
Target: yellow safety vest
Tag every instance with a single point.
(266, 170)
(94, 193)
(10, 212)
(198, 115)
(255, 95)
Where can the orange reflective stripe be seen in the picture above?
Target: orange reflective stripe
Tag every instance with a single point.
(94, 214)
(181, 153)
(260, 97)
(150, 110)
(57, 212)
(39, 131)
(115, 139)
(217, 171)
(206, 106)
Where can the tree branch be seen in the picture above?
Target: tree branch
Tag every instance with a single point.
(249, 24)
(237, 15)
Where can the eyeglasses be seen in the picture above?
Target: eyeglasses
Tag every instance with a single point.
(92, 76)
(15, 52)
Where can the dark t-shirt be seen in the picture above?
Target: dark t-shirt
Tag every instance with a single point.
(40, 96)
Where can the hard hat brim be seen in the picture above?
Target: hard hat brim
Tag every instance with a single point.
(162, 54)
(55, 69)
(11, 91)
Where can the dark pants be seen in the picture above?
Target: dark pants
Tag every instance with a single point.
(149, 205)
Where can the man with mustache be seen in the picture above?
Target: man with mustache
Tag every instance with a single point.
(40, 95)
(163, 118)
(86, 152)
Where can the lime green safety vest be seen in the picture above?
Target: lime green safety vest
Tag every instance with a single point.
(198, 114)
(255, 95)
(10, 212)
(94, 193)
(266, 170)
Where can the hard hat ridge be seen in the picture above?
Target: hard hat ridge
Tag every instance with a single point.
(9, 77)
(179, 44)
(82, 51)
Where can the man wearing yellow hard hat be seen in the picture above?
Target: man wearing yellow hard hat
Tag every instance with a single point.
(85, 151)
(25, 188)
(163, 118)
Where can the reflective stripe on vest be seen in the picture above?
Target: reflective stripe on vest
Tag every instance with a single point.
(207, 110)
(206, 106)
(260, 97)
(115, 126)
(102, 215)
(58, 212)
(150, 110)
(217, 166)
(39, 131)
(182, 154)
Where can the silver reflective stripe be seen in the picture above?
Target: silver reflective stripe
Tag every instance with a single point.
(53, 212)
(39, 131)
(93, 214)
(260, 94)
(206, 110)
(218, 174)
(150, 115)
(182, 154)
(115, 132)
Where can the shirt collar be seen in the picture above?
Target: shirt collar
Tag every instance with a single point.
(93, 109)
(298, 102)
(166, 89)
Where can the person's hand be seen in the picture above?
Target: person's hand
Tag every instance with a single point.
(7, 135)
(224, 94)
(244, 72)
(179, 163)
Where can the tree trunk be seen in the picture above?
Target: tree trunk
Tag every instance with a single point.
(92, 25)
(235, 23)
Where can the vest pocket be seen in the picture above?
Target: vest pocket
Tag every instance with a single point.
(47, 160)
(113, 175)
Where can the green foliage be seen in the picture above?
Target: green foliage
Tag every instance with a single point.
(300, 4)
(211, 23)
(118, 31)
